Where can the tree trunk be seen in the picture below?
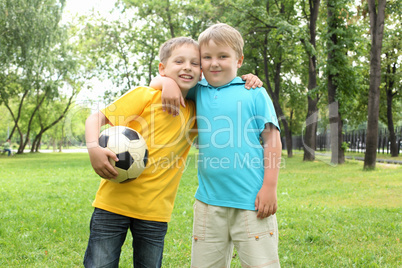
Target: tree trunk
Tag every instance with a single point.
(390, 124)
(16, 120)
(336, 138)
(336, 124)
(34, 144)
(312, 99)
(38, 105)
(288, 138)
(309, 140)
(38, 144)
(377, 31)
(389, 85)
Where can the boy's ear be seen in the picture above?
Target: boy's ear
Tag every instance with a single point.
(240, 61)
(161, 69)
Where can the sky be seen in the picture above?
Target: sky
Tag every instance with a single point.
(81, 7)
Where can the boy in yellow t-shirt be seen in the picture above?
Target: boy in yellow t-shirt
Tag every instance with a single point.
(145, 204)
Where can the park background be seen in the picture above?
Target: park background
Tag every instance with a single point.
(331, 68)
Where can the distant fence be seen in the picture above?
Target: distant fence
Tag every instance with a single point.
(356, 140)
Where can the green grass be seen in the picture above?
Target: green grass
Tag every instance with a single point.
(328, 216)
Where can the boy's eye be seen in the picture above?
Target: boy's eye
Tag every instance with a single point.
(206, 57)
(195, 63)
(179, 61)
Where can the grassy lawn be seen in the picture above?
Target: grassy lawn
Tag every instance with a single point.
(328, 216)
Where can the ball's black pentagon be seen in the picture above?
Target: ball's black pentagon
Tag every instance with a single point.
(125, 160)
(130, 134)
(146, 157)
(103, 141)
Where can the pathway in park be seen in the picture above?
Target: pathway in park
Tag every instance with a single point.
(386, 161)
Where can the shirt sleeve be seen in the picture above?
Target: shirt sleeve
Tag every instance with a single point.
(127, 107)
(265, 110)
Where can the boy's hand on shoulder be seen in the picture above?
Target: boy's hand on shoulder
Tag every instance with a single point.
(99, 158)
(171, 99)
(266, 202)
(171, 94)
(252, 81)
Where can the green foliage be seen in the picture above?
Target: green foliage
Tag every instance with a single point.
(125, 50)
(43, 62)
(345, 146)
(341, 37)
(391, 73)
(36, 62)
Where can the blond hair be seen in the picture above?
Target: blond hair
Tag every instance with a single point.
(165, 51)
(223, 35)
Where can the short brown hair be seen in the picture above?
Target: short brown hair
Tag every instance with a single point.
(223, 34)
(165, 51)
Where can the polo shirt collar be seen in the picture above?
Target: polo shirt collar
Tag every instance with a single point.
(235, 81)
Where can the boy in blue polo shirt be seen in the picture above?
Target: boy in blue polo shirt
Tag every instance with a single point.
(239, 159)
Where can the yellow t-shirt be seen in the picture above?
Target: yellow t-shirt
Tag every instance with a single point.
(151, 196)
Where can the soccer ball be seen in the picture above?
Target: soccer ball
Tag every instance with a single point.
(131, 149)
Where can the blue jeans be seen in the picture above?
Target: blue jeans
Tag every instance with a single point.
(107, 235)
(8, 151)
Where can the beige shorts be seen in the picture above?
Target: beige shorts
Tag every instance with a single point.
(217, 230)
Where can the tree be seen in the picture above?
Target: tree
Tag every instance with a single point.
(118, 50)
(268, 28)
(313, 96)
(34, 59)
(341, 82)
(125, 50)
(377, 16)
(48, 119)
(337, 153)
(391, 76)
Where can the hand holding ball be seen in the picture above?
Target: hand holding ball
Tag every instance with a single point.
(129, 147)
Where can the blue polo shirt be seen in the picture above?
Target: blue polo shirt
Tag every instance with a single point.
(230, 120)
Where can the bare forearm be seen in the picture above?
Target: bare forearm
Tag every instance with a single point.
(272, 157)
(93, 125)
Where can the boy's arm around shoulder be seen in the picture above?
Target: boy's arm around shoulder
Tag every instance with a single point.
(266, 200)
(171, 94)
(252, 81)
(99, 156)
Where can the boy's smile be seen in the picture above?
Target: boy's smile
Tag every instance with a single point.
(219, 63)
(183, 66)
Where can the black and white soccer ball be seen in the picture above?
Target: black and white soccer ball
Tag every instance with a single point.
(131, 149)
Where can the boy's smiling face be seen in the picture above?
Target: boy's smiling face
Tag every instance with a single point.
(183, 66)
(219, 63)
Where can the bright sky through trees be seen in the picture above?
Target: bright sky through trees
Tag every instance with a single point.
(76, 8)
